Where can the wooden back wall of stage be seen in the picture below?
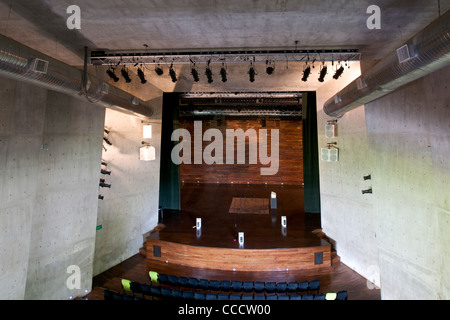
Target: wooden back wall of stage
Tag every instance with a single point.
(290, 171)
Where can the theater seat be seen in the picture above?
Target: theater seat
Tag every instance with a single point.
(330, 296)
(259, 286)
(270, 287)
(153, 275)
(342, 295)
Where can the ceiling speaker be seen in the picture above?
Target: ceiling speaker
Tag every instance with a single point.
(329, 154)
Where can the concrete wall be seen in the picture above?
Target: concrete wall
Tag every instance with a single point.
(48, 201)
(398, 236)
(22, 117)
(129, 208)
(49, 206)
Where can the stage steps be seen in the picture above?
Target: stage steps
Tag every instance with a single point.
(334, 256)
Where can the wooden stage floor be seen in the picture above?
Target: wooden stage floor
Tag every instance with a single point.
(226, 210)
(197, 200)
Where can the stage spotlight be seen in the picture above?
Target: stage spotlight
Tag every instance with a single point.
(251, 73)
(323, 72)
(172, 74)
(159, 71)
(306, 73)
(262, 122)
(107, 141)
(270, 68)
(223, 74)
(208, 73)
(125, 75)
(141, 76)
(112, 75)
(194, 74)
(338, 73)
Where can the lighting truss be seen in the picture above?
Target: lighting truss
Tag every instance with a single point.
(213, 57)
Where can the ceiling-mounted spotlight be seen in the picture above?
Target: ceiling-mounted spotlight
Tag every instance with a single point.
(270, 67)
(252, 72)
(194, 71)
(172, 73)
(208, 72)
(141, 76)
(262, 122)
(159, 71)
(338, 72)
(223, 73)
(125, 75)
(323, 72)
(306, 73)
(112, 75)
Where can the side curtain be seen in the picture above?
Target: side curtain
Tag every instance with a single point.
(310, 154)
(169, 183)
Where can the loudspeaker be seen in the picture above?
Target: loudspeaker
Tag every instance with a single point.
(329, 154)
(330, 130)
(318, 258)
(157, 251)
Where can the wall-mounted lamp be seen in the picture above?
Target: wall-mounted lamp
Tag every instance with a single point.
(147, 153)
(147, 131)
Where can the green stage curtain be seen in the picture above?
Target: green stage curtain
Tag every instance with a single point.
(169, 181)
(310, 154)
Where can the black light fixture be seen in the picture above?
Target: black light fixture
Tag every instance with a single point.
(194, 71)
(306, 72)
(141, 76)
(223, 73)
(125, 75)
(252, 72)
(159, 71)
(262, 122)
(323, 72)
(270, 67)
(172, 73)
(338, 72)
(111, 74)
(208, 73)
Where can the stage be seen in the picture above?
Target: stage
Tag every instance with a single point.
(226, 210)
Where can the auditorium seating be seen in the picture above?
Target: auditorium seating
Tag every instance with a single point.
(179, 287)
(235, 286)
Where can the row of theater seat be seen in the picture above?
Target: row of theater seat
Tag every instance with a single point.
(236, 286)
(209, 296)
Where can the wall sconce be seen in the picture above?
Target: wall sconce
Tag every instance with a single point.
(147, 153)
(147, 131)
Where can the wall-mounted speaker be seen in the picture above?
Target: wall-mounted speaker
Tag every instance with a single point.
(330, 130)
(156, 251)
(318, 258)
(329, 154)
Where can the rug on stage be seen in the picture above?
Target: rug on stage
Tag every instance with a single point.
(249, 205)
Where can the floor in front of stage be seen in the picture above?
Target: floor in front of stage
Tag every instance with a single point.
(207, 201)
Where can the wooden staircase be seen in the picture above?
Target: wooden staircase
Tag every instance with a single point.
(334, 257)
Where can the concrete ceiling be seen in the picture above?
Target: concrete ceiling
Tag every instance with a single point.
(171, 25)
